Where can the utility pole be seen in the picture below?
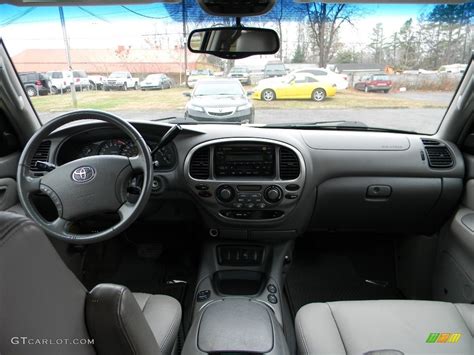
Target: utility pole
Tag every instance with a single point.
(183, 4)
(68, 55)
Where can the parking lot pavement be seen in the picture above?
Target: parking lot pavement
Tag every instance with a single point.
(442, 97)
(423, 120)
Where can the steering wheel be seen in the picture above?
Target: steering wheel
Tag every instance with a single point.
(86, 186)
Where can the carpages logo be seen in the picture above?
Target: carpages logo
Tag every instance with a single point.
(443, 338)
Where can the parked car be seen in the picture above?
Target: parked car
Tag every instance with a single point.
(121, 80)
(35, 83)
(326, 75)
(220, 100)
(274, 69)
(156, 81)
(453, 68)
(374, 82)
(240, 73)
(97, 82)
(294, 86)
(81, 80)
(60, 81)
(196, 75)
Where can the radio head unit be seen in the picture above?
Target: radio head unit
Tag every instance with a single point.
(244, 160)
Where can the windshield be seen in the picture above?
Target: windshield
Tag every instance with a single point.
(380, 77)
(216, 88)
(153, 77)
(239, 70)
(118, 75)
(392, 66)
(200, 72)
(275, 67)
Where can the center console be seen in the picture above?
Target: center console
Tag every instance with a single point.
(257, 181)
(238, 305)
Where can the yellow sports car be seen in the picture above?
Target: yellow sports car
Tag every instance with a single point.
(293, 86)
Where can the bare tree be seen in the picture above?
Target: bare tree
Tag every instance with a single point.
(324, 21)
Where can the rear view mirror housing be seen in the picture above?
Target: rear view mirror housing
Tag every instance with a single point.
(234, 42)
(236, 8)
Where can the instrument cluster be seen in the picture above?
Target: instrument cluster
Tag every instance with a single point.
(164, 158)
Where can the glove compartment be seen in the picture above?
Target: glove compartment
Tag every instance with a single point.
(385, 203)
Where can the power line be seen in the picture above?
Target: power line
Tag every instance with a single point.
(16, 17)
(93, 14)
(146, 16)
(101, 16)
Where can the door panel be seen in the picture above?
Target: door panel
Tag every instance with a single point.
(8, 193)
(453, 279)
(285, 91)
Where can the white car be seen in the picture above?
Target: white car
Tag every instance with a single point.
(60, 81)
(97, 81)
(156, 82)
(328, 76)
(121, 80)
(81, 80)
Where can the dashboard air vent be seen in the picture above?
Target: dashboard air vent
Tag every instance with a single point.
(289, 164)
(430, 142)
(438, 154)
(42, 154)
(199, 167)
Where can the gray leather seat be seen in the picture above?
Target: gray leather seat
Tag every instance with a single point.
(44, 308)
(375, 327)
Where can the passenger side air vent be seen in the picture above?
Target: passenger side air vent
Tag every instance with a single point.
(199, 167)
(289, 164)
(42, 154)
(439, 155)
(429, 142)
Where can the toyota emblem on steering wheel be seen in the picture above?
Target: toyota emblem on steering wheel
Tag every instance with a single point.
(83, 174)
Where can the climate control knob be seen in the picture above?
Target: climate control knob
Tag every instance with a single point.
(273, 194)
(225, 193)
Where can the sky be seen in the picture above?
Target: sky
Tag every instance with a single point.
(109, 26)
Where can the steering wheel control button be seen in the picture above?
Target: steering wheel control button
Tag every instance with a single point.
(225, 193)
(272, 288)
(273, 194)
(54, 198)
(203, 295)
(291, 196)
(272, 299)
(83, 174)
(204, 194)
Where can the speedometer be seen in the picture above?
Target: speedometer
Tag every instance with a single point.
(112, 147)
(129, 149)
(118, 147)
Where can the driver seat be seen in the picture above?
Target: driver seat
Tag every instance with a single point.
(45, 310)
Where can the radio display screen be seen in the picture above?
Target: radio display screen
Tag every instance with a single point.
(249, 158)
(244, 160)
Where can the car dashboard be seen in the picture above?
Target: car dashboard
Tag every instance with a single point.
(269, 183)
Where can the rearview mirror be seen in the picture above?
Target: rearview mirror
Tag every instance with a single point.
(234, 42)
